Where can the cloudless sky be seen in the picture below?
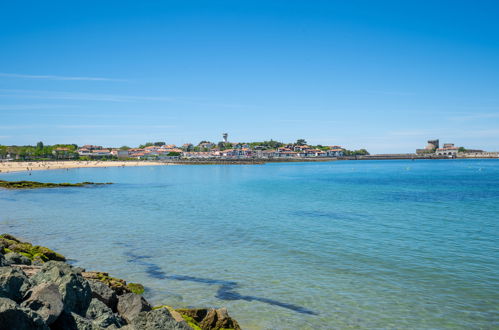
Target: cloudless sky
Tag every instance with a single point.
(381, 75)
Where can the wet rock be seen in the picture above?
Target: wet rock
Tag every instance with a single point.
(131, 304)
(73, 321)
(74, 289)
(13, 283)
(14, 317)
(46, 300)
(17, 258)
(156, 320)
(3, 262)
(102, 315)
(104, 293)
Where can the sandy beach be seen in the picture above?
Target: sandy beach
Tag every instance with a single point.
(7, 167)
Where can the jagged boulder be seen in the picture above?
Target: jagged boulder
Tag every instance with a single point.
(74, 289)
(16, 258)
(46, 300)
(102, 315)
(157, 319)
(73, 321)
(3, 262)
(104, 293)
(14, 317)
(13, 283)
(130, 305)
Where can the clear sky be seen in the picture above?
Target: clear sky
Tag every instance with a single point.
(381, 75)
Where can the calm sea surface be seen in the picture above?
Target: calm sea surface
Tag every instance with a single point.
(350, 244)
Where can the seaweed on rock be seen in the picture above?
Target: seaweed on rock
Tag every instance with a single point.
(35, 185)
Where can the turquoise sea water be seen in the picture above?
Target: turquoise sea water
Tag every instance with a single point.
(351, 244)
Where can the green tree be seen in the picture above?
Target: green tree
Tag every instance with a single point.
(148, 144)
(39, 145)
(301, 142)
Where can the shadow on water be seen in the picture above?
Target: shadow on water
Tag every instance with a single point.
(226, 291)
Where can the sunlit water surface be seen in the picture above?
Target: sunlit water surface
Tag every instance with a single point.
(370, 244)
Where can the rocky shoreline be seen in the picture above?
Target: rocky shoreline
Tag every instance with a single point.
(39, 290)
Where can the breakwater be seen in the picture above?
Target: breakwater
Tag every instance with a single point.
(40, 290)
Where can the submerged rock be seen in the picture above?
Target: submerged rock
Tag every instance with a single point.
(74, 289)
(14, 317)
(13, 283)
(130, 305)
(157, 319)
(104, 293)
(102, 315)
(46, 300)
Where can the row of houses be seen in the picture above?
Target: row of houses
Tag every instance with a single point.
(163, 151)
(283, 152)
(171, 151)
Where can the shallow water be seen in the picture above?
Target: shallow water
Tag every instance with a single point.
(370, 244)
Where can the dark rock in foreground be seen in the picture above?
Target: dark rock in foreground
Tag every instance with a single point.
(13, 283)
(74, 289)
(102, 315)
(104, 293)
(131, 304)
(157, 319)
(13, 317)
(46, 300)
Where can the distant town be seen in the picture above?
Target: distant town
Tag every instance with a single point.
(225, 150)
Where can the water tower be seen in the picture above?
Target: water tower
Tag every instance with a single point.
(225, 137)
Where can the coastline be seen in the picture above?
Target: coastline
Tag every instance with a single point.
(9, 167)
(27, 166)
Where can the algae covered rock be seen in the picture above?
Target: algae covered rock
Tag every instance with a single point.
(9, 243)
(131, 304)
(46, 300)
(12, 258)
(13, 283)
(34, 184)
(210, 318)
(118, 285)
(74, 289)
(14, 317)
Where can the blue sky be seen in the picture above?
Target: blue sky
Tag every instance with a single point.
(381, 75)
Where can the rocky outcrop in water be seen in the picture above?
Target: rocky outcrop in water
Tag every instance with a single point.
(35, 184)
(42, 293)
